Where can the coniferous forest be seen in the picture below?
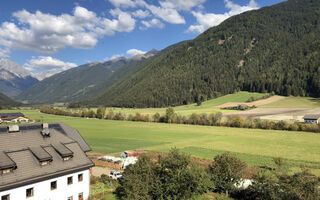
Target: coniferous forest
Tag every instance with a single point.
(273, 49)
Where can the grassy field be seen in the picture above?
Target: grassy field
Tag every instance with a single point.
(256, 147)
(295, 102)
(207, 107)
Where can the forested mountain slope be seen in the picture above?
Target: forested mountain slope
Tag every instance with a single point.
(83, 82)
(273, 49)
(6, 102)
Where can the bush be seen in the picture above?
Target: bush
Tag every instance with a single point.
(171, 177)
(226, 171)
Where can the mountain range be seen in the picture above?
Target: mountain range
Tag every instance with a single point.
(14, 78)
(273, 49)
(83, 82)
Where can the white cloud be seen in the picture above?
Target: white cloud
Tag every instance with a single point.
(124, 23)
(46, 33)
(207, 20)
(169, 15)
(165, 12)
(116, 56)
(127, 3)
(185, 5)
(154, 23)
(141, 14)
(48, 65)
(133, 52)
(4, 53)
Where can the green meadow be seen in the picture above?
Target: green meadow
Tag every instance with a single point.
(256, 147)
(295, 102)
(207, 107)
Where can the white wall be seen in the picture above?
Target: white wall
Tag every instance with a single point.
(42, 190)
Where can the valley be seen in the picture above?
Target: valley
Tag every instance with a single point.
(227, 108)
(256, 147)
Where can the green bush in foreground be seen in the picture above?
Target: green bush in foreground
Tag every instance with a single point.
(176, 177)
(172, 177)
(226, 171)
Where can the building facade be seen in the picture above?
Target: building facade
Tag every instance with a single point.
(312, 119)
(54, 189)
(43, 162)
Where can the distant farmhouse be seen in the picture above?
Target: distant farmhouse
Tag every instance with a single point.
(314, 119)
(13, 117)
(45, 161)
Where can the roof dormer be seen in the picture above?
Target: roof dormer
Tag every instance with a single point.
(42, 155)
(7, 165)
(63, 151)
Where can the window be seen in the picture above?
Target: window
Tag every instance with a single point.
(29, 192)
(70, 180)
(53, 185)
(5, 197)
(6, 171)
(80, 177)
(70, 198)
(66, 158)
(80, 196)
(44, 163)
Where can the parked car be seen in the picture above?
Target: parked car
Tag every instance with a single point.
(115, 175)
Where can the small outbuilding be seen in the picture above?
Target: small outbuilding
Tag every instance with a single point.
(312, 119)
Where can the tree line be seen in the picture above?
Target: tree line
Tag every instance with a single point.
(214, 119)
(176, 177)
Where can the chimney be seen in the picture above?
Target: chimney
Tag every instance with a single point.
(13, 128)
(45, 125)
(45, 130)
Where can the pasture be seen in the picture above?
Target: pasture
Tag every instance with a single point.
(256, 147)
(295, 102)
(207, 107)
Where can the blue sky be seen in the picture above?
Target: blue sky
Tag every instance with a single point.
(51, 36)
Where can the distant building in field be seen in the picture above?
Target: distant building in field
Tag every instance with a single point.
(314, 119)
(46, 162)
(13, 117)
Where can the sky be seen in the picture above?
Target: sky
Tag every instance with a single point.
(52, 36)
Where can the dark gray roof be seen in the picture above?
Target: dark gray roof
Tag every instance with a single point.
(19, 114)
(27, 147)
(311, 117)
(62, 149)
(5, 161)
(75, 135)
(40, 154)
(60, 127)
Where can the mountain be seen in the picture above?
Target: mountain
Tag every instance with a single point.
(83, 82)
(7, 102)
(273, 49)
(14, 78)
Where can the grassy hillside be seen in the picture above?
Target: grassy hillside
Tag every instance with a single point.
(207, 107)
(295, 102)
(256, 147)
(7, 102)
(272, 49)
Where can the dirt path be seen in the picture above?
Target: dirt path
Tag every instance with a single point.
(256, 103)
(289, 114)
(98, 171)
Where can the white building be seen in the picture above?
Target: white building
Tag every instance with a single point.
(312, 119)
(43, 163)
